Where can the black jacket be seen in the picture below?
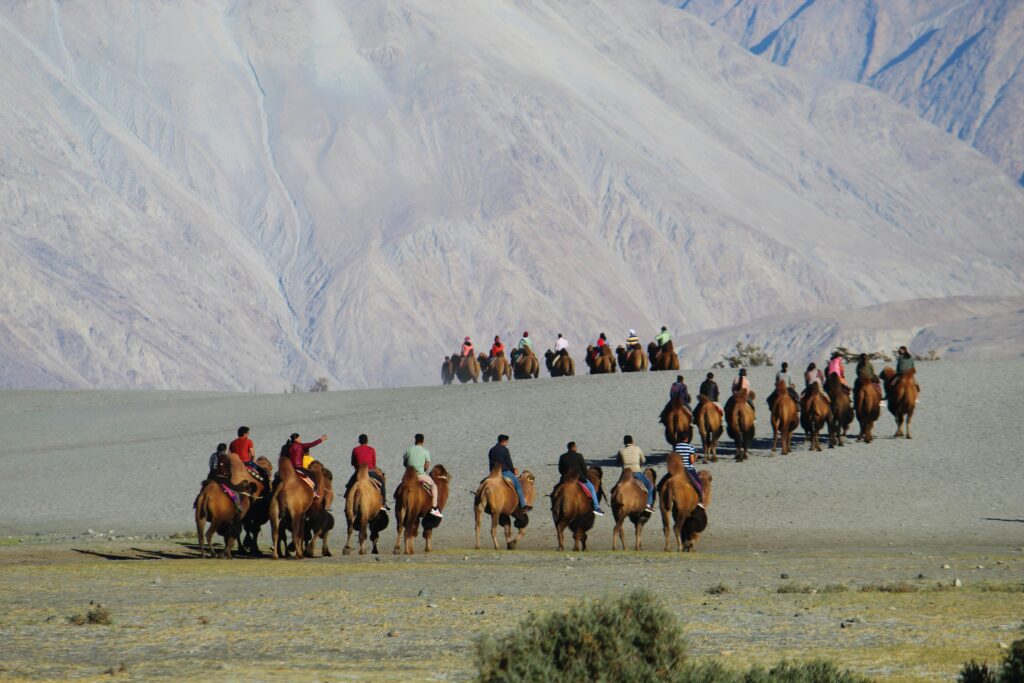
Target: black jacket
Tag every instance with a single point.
(710, 389)
(499, 453)
(569, 461)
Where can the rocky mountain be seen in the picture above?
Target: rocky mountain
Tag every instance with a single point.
(243, 195)
(957, 63)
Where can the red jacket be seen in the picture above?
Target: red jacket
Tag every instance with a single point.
(496, 349)
(299, 449)
(364, 455)
(243, 448)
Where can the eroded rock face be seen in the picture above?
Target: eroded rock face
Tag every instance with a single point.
(251, 196)
(958, 64)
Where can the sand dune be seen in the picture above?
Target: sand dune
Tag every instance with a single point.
(132, 461)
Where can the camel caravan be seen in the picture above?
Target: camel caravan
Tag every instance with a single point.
(522, 362)
(243, 493)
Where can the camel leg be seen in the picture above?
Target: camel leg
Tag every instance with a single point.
(298, 537)
(374, 537)
(324, 550)
(616, 531)
(665, 527)
(519, 537)
(199, 535)
(899, 426)
(428, 535)
(639, 527)
(209, 539)
(775, 438)
(507, 528)
(477, 515)
(560, 532)
(398, 533)
(909, 415)
(677, 531)
(494, 528)
(347, 550)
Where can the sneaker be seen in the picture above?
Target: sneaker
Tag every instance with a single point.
(525, 508)
(598, 513)
(701, 506)
(436, 512)
(649, 508)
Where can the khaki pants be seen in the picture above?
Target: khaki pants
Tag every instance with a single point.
(425, 478)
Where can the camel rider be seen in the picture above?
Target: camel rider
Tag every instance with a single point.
(630, 457)
(632, 341)
(572, 461)
(663, 337)
(467, 348)
(865, 373)
(243, 447)
(709, 388)
(499, 455)
(561, 345)
(497, 347)
(686, 452)
(680, 389)
(365, 454)
(835, 367)
(602, 341)
(904, 361)
(784, 375)
(297, 451)
(740, 383)
(418, 457)
(814, 377)
(220, 473)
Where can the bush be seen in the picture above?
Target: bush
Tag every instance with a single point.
(810, 672)
(747, 355)
(631, 638)
(319, 385)
(718, 589)
(1011, 670)
(97, 614)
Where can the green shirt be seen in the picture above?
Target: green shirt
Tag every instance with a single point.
(526, 341)
(663, 338)
(417, 457)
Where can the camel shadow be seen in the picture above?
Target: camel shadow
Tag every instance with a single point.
(1002, 519)
(112, 556)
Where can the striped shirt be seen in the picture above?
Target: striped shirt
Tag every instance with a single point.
(686, 452)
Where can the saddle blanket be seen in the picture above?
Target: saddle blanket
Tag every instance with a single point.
(231, 493)
(307, 481)
(642, 485)
(584, 487)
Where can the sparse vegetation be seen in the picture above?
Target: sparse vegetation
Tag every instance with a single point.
(630, 638)
(97, 614)
(899, 587)
(1010, 671)
(319, 385)
(795, 588)
(851, 356)
(718, 589)
(746, 355)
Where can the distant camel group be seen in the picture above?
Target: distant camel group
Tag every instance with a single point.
(525, 365)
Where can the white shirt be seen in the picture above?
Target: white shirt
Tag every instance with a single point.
(561, 344)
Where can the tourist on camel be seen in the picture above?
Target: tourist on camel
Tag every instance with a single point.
(630, 457)
(571, 461)
(499, 455)
(418, 457)
(365, 454)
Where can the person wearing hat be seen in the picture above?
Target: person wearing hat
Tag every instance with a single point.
(904, 361)
(632, 341)
(467, 347)
(835, 367)
(741, 382)
(663, 337)
(499, 455)
(525, 342)
(497, 347)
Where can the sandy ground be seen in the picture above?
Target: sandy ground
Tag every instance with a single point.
(861, 516)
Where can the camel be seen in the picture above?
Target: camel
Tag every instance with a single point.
(814, 414)
(678, 421)
(785, 418)
(447, 370)
(841, 410)
(215, 508)
(633, 360)
(559, 364)
(525, 365)
(573, 508)
(319, 521)
(465, 369)
(412, 507)
(678, 506)
(663, 358)
(498, 498)
(867, 408)
(901, 395)
(496, 368)
(288, 506)
(709, 424)
(600, 363)
(740, 422)
(259, 513)
(630, 501)
(363, 510)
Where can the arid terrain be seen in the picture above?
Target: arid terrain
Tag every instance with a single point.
(851, 554)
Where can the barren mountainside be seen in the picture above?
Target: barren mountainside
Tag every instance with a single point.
(245, 195)
(959, 64)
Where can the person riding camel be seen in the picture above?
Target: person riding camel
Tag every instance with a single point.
(499, 455)
(602, 341)
(296, 451)
(663, 337)
(631, 458)
(709, 388)
(220, 472)
(365, 454)
(783, 374)
(243, 447)
(632, 341)
(814, 377)
(680, 389)
(561, 345)
(904, 362)
(865, 373)
(524, 343)
(742, 382)
(835, 367)
(418, 457)
(686, 452)
(467, 347)
(572, 461)
(497, 347)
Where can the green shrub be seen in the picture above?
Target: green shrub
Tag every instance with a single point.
(976, 673)
(718, 589)
(817, 671)
(1011, 670)
(632, 638)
